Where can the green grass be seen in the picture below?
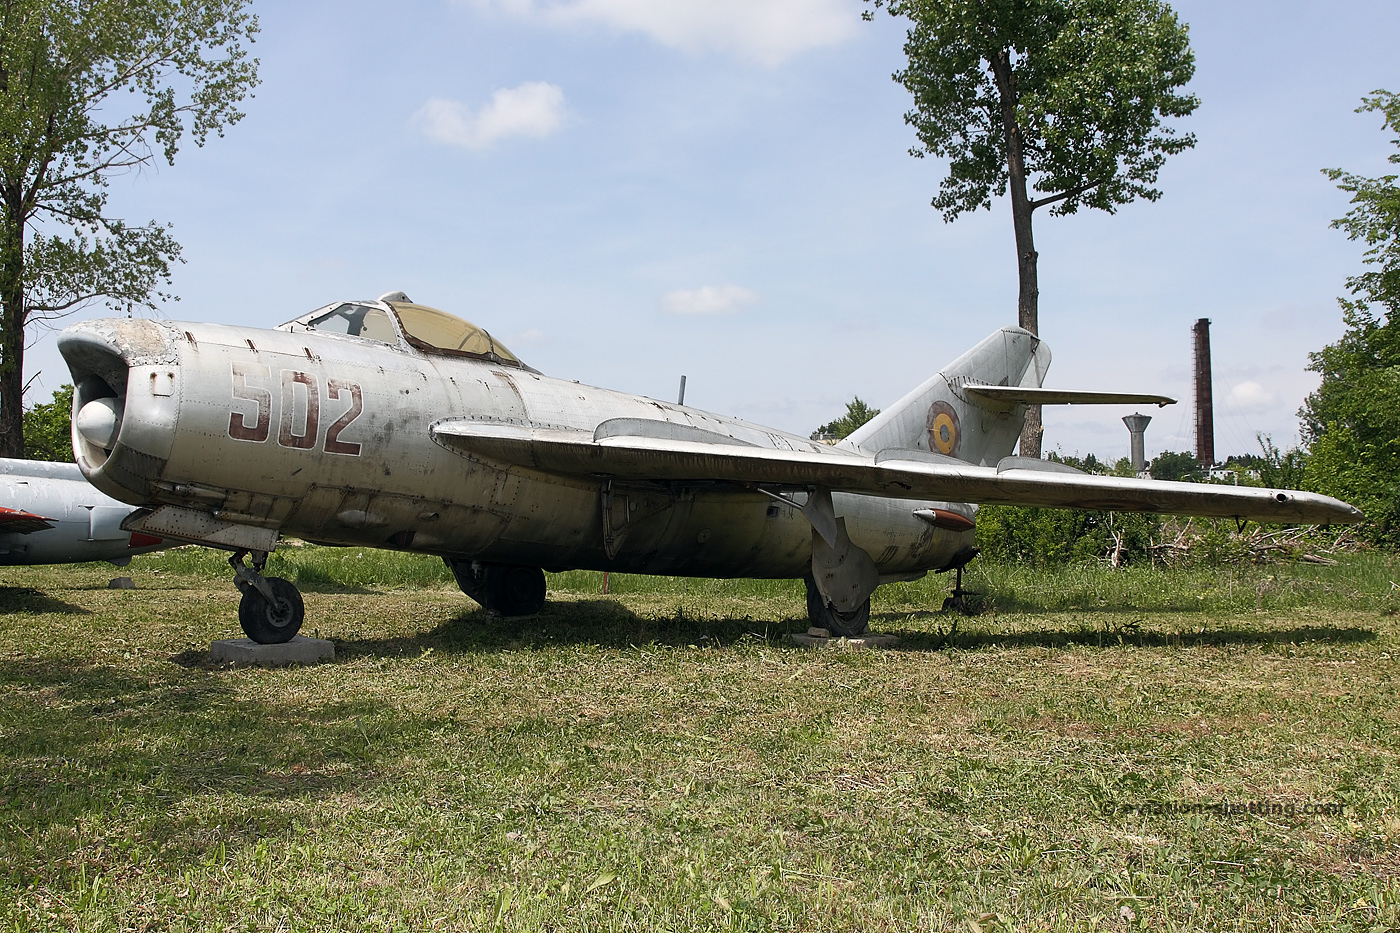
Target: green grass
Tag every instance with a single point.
(659, 759)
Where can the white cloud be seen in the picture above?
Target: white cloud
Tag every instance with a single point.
(534, 109)
(764, 31)
(1251, 396)
(708, 299)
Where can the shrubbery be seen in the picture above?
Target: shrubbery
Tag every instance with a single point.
(1045, 537)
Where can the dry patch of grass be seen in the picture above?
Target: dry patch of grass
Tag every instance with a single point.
(658, 759)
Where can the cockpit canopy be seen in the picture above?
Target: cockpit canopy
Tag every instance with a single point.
(423, 328)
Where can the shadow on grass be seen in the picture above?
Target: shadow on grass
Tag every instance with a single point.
(969, 637)
(81, 739)
(28, 599)
(601, 623)
(604, 623)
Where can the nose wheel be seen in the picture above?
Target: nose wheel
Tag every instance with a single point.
(271, 610)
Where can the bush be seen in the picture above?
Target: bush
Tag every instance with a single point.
(1042, 537)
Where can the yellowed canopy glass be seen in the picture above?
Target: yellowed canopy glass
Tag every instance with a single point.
(439, 330)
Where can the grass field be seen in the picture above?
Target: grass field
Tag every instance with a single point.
(658, 759)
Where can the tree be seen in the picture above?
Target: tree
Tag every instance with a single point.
(1173, 466)
(1352, 422)
(90, 89)
(46, 428)
(857, 413)
(1063, 99)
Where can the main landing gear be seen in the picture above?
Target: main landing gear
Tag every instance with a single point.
(509, 589)
(823, 614)
(271, 610)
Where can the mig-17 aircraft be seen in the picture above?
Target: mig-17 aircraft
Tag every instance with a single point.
(390, 424)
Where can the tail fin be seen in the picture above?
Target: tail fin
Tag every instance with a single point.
(938, 417)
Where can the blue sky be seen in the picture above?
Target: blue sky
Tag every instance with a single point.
(628, 190)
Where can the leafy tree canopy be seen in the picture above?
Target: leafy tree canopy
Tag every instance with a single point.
(89, 89)
(1087, 81)
(1176, 466)
(1375, 217)
(46, 431)
(857, 413)
(1352, 421)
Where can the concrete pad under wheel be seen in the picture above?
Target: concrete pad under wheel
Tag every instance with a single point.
(868, 640)
(244, 652)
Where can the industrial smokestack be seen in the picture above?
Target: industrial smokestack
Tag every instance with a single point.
(1205, 408)
(1137, 424)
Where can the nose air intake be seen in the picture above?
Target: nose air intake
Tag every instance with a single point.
(121, 435)
(99, 394)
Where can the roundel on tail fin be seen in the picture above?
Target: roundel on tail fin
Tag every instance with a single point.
(943, 433)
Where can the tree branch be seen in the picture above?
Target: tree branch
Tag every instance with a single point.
(1071, 193)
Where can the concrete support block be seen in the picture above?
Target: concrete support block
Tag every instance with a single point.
(244, 652)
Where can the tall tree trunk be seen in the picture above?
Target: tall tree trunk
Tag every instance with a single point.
(1028, 302)
(12, 314)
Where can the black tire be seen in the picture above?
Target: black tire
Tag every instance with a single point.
(512, 590)
(272, 623)
(824, 615)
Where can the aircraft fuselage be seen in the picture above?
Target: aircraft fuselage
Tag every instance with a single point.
(328, 438)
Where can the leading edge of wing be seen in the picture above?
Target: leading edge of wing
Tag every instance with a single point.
(634, 457)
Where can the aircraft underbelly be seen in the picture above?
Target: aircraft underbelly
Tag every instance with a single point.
(712, 532)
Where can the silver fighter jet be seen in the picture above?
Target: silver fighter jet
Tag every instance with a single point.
(50, 514)
(394, 425)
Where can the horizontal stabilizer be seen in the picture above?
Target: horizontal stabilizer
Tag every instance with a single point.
(1030, 395)
(571, 452)
(13, 520)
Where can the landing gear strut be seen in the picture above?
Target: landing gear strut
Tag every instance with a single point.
(509, 589)
(271, 610)
(957, 601)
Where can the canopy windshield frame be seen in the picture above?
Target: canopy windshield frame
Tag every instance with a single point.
(431, 330)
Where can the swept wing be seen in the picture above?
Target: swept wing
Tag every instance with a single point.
(647, 454)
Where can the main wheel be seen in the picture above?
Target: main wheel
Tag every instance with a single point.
(271, 623)
(512, 590)
(824, 615)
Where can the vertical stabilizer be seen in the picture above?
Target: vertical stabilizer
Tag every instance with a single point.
(939, 418)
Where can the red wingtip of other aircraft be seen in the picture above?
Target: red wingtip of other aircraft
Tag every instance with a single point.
(23, 522)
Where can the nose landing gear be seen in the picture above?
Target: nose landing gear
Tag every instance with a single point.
(271, 610)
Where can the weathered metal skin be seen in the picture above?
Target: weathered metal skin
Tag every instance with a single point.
(259, 427)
